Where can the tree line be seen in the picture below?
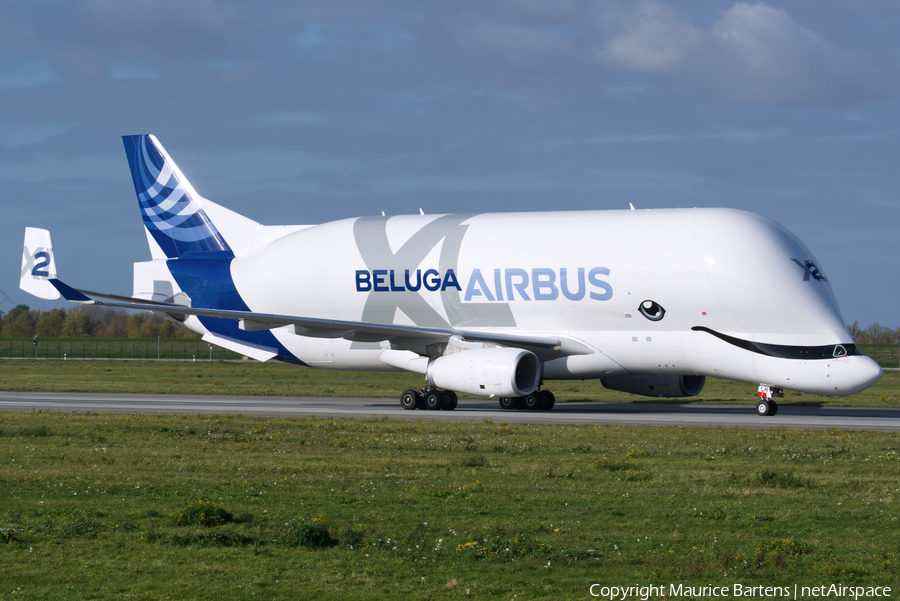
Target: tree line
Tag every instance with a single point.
(88, 322)
(874, 334)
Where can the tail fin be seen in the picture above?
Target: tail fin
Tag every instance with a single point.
(38, 265)
(172, 210)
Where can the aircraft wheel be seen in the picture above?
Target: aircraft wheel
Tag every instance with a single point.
(450, 400)
(434, 400)
(764, 408)
(409, 399)
(547, 400)
(774, 407)
(531, 401)
(507, 402)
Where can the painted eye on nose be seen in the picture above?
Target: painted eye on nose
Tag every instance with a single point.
(652, 310)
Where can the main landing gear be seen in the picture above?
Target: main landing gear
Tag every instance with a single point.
(765, 405)
(536, 401)
(428, 398)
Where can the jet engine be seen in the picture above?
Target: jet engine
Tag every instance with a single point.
(658, 386)
(502, 372)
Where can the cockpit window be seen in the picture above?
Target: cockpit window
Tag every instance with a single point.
(840, 350)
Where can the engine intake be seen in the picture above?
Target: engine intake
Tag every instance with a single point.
(656, 386)
(487, 372)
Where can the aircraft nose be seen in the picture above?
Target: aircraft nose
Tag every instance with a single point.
(867, 373)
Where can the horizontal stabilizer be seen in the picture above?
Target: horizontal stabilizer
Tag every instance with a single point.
(69, 293)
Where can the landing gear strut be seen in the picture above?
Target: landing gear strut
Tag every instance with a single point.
(765, 405)
(536, 401)
(428, 397)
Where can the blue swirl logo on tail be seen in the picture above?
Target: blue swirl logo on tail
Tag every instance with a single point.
(174, 218)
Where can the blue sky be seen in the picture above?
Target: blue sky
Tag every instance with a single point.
(313, 111)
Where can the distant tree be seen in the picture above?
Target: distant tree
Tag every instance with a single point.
(90, 321)
(874, 334)
(854, 330)
(185, 332)
(878, 334)
(50, 323)
(78, 325)
(143, 325)
(135, 322)
(19, 322)
(108, 322)
(167, 329)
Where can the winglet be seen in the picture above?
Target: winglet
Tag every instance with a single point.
(69, 293)
(38, 265)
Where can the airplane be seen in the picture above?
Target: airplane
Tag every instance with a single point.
(651, 302)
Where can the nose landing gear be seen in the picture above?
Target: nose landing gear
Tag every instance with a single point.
(765, 405)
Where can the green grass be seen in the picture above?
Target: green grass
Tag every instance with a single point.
(98, 506)
(253, 378)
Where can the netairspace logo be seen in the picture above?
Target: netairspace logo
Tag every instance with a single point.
(739, 591)
(539, 283)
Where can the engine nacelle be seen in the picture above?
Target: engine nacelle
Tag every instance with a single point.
(661, 385)
(487, 372)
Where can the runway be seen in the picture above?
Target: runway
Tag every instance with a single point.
(631, 414)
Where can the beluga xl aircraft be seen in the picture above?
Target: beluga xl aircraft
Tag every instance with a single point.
(649, 302)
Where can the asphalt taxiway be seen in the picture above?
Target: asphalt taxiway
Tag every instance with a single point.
(795, 417)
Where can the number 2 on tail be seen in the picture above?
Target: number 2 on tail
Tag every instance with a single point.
(42, 260)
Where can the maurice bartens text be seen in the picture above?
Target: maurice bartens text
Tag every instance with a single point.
(794, 592)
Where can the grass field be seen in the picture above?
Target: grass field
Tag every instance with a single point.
(99, 506)
(232, 507)
(252, 378)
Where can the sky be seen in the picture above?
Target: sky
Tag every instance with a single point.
(306, 112)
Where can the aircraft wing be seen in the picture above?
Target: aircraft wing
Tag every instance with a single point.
(414, 338)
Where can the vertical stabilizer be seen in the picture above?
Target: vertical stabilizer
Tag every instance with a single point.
(38, 265)
(171, 209)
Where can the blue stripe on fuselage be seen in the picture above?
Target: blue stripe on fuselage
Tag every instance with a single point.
(206, 278)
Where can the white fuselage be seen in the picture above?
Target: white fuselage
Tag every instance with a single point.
(579, 276)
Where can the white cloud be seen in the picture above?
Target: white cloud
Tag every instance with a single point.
(651, 38)
(752, 53)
